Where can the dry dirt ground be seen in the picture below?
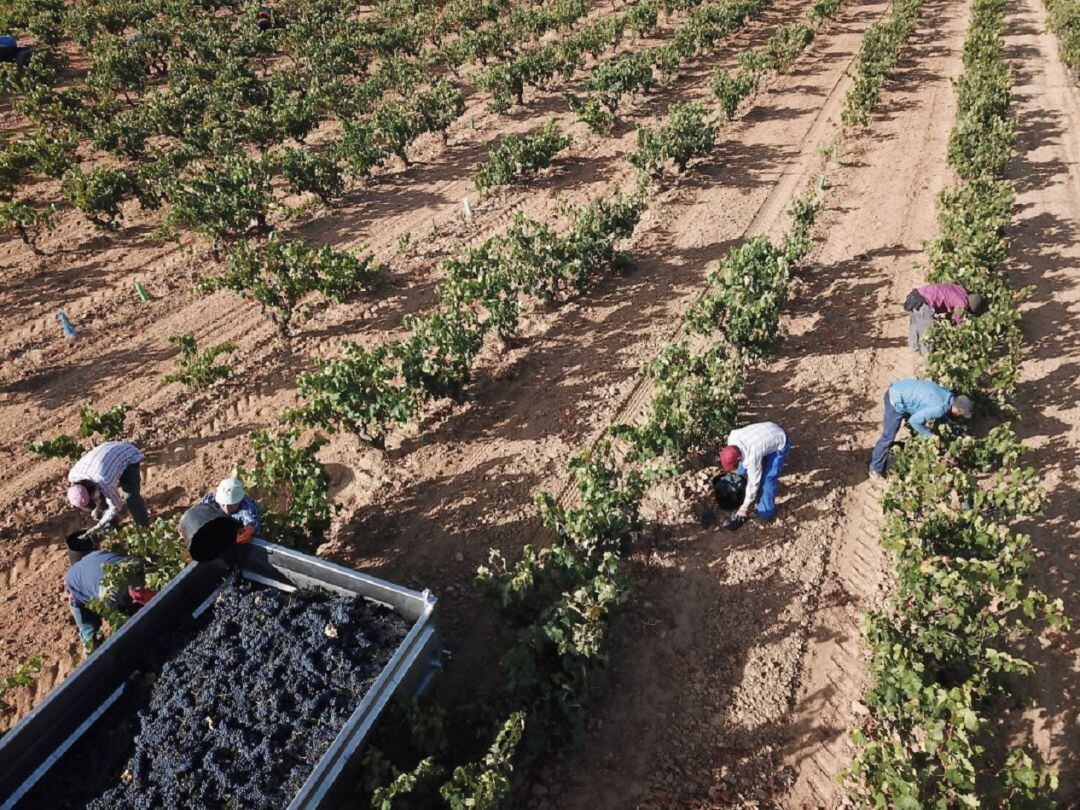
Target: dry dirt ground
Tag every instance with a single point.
(1046, 254)
(740, 667)
(737, 665)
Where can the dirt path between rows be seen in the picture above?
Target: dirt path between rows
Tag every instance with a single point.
(733, 680)
(1045, 252)
(737, 666)
(426, 513)
(192, 438)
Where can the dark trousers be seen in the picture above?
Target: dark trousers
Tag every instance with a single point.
(131, 488)
(919, 323)
(88, 622)
(893, 420)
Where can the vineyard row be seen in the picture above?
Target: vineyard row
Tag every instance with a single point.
(940, 648)
(556, 602)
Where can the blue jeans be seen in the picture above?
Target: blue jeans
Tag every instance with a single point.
(771, 466)
(893, 420)
(88, 622)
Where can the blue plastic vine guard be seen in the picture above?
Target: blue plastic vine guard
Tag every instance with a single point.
(66, 325)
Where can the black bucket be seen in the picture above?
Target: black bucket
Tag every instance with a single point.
(890, 456)
(78, 546)
(729, 489)
(208, 532)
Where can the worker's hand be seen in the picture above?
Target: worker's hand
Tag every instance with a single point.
(140, 596)
(246, 534)
(743, 513)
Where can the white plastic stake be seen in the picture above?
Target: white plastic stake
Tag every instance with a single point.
(468, 209)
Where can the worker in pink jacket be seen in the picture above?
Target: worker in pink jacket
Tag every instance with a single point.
(923, 303)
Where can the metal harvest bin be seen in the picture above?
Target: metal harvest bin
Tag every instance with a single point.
(40, 740)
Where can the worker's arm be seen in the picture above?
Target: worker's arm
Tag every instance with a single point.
(918, 420)
(112, 507)
(249, 521)
(752, 463)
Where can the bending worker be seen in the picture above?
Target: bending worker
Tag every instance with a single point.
(758, 451)
(923, 303)
(917, 401)
(84, 585)
(96, 478)
(231, 499)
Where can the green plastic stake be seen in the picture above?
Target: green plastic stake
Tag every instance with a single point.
(142, 292)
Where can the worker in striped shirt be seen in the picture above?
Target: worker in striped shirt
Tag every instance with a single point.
(100, 477)
(758, 451)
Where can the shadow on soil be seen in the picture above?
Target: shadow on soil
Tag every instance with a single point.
(1042, 254)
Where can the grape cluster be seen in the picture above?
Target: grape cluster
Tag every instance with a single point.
(241, 712)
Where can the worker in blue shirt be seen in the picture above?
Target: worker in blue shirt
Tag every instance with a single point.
(84, 583)
(917, 401)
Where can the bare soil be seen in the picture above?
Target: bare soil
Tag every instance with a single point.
(761, 660)
(1045, 253)
(737, 667)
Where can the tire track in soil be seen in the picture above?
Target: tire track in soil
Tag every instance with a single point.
(169, 424)
(399, 199)
(709, 702)
(1045, 252)
(768, 219)
(857, 573)
(217, 309)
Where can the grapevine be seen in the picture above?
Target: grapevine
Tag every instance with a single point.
(193, 114)
(292, 488)
(517, 158)
(619, 76)
(369, 391)
(695, 404)
(685, 134)
(24, 675)
(93, 425)
(281, 273)
(731, 88)
(940, 646)
(199, 368)
(1065, 22)
(881, 48)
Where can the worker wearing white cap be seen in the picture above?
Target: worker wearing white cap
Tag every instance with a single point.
(231, 499)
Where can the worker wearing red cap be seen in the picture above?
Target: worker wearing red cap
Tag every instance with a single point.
(758, 451)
